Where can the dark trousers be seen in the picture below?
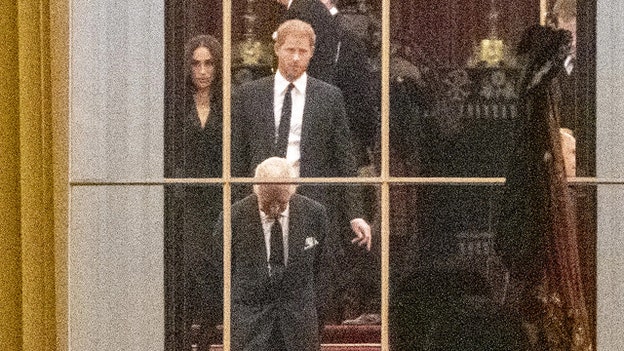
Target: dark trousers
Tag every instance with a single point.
(276, 340)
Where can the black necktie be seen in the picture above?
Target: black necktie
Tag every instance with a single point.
(281, 143)
(277, 245)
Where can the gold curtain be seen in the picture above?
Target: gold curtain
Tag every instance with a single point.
(33, 180)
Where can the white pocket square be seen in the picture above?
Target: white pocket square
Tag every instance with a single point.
(310, 242)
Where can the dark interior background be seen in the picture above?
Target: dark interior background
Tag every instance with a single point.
(438, 37)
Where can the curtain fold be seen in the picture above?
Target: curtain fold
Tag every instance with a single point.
(28, 205)
(10, 242)
(37, 202)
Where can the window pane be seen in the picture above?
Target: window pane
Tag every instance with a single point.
(116, 268)
(457, 79)
(116, 88)
(326, 280)
(193, 296)
(460, 276)
(346, 54)
(193, 85)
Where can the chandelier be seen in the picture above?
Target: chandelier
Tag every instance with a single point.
(491, 51)
(251, 51)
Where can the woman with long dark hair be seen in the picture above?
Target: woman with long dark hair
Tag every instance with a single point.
(197, 206)
(202, 125)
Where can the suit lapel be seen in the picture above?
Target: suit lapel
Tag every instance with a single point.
(308, 118)
(266, 118)
(254, 234)
(296, 235)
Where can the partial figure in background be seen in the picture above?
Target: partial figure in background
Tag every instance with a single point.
(202, 149)
(574, 115)
(568, 146)
(315, 14)
(280, 252)
(352, 75)
(302, 118)
(537, 234)
(564, 17)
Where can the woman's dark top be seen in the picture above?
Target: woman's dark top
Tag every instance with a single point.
(196, 208)
(202, 147)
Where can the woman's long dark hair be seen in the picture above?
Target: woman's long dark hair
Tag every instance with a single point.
(213, 45)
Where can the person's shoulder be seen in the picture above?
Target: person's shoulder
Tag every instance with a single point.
(244, 205)
(307, 202)
(303, 6)
(311, 11)
(315, 83)
(254, 85)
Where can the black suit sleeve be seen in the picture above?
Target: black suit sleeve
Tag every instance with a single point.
(325, 267)
(240, 154)
(344, 159)
(215, 276)
(318, 16)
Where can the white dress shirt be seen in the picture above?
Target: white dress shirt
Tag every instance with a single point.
(293, 152)
(267, 223)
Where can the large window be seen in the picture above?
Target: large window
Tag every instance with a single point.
(433, 136)
(434, 150)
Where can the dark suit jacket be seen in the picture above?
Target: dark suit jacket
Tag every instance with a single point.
(256, 303)
(318, 16)
(326, 149)
(352, 74)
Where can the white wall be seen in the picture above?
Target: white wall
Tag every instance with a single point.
(116, 279)
(610, 165)
(117, 89)
(116, 268)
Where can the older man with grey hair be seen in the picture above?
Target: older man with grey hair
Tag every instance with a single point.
(280, 250)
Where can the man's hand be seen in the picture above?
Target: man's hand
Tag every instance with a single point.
(363, 233)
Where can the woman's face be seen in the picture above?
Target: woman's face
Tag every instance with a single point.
(202, 67)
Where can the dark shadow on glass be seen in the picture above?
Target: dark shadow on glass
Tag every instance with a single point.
(194, 305)
(452, 284)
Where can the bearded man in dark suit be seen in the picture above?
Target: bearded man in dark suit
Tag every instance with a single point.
(279, 252)
(316, 137)
(313, 135)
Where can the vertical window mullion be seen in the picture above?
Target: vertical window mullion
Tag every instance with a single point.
(385, 173)
(227, 185)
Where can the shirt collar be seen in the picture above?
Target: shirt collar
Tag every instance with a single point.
(300, 83)
(289, 3)
(264, 218)
(333, 11)
(568, 64)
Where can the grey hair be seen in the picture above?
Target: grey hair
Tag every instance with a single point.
(278, 168)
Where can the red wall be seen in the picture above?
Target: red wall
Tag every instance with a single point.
(447, 30)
